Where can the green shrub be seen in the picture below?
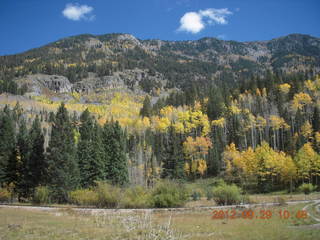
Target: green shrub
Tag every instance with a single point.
(5, 195)
(227, 194)
(307, 188)
(41, 195)
(168, 194)
(84, 197)
(196, 195)
(219, 182)
(136, 197)
(209, 194)
(107, 195)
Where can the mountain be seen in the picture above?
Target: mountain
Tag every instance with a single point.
(87, 62)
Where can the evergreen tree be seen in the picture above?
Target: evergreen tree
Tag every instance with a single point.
(146, 108)
(37, 166)
(115, 157)
(7, 141)
(174, 161)
(63, 167)
(13, 169)
(215, 153)
(89, 152)
(21, 156)
(215, 104)
(316, 120)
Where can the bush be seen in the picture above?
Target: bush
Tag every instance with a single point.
(307, 188)
(227, 194)
(86, 197)
(41, 195)
(168, 194)
(209, 194)
(196, 195)
(5, 195)
(107, 195)
(136, 197)
(219, 182)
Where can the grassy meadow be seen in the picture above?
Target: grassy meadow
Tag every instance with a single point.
(68, 224)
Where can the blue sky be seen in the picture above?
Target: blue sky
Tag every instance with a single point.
(26, 24)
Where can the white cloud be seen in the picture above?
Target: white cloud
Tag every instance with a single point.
(191, 22)
(194, 22)
(77, 12)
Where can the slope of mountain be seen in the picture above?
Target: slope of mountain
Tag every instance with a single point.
(123, 61)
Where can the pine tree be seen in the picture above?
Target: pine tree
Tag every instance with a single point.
(146, 108)
(215, 104)
(174, 161)
(22, 159)
(37, 166)
(7, 141)
(63, 167)
(115, 157)
(316, 120)
(89, 152)
(13, 169)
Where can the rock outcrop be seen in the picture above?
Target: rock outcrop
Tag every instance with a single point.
(136, 80)
(38, 82)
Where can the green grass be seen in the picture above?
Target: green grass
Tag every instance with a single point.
(67, 224)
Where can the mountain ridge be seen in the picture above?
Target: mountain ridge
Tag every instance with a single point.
(162, 40)
(179, 63)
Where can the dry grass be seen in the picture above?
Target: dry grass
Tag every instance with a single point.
(260, 198)
(19, 224)
(263, 198)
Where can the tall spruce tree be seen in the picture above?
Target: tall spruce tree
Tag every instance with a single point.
(316, 119)
(173, 161)
(36, 167)
(115, 157)
(7, 141)
(21, 158)
(91, 164)
(63, 169)
(146, 108)
(215, 104)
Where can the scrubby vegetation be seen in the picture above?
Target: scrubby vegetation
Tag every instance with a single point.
(168, 194)
(226, 194)
(5, 195)
(307, 188)
(41, 195)
(136, 197)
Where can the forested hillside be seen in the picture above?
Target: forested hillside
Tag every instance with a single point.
(246, 112)
(181, 64)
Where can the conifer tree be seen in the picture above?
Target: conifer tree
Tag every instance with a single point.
(63, 167)
(7, 141)
(146, 108)
(316, 119)
(115, 157)
(21, 156)
(37, 166)
(174, 160)
(215, 104)
(89, 152)
(13, 169)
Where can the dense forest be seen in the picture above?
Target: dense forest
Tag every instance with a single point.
(263, 135)
(245, 112)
